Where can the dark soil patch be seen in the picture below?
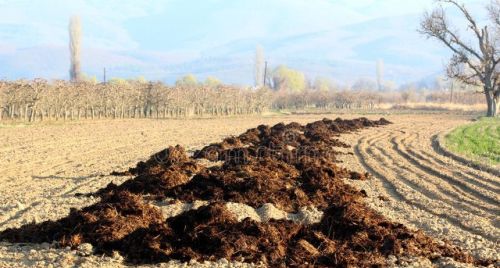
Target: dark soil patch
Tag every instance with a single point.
(287, 165)
(353, 175)
(166, 169)
(103, 224)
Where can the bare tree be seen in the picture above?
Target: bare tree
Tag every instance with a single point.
(494, 12)
(3, 86)
(36, 89)
(380, 74)
(364, 83)
(75, 32)
(472, 64)
(259, 66)
(38, 99)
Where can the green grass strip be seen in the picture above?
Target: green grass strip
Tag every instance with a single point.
(479, 140)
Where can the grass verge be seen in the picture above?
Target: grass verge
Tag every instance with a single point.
(479, 141)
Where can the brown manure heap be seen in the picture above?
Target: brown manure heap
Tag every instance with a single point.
(288, 165)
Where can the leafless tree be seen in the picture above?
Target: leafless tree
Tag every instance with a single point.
(3, 87)
(474, 63)
(259, 66)
(36, 89)
(75, 36)
(38, 99)
(380, 74)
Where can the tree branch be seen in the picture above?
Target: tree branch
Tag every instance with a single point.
(473, 24)
(494, 12)
(436, 25)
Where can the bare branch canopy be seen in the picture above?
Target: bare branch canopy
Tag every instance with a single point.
(475, 61)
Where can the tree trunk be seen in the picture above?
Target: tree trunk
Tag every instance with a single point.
(495, 106)
(25, 114)
(11, 111)
(492, 102)
(32, 114)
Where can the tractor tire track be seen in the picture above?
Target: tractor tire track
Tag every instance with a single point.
(444, 197)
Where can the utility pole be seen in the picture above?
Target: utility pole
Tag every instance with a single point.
(104, 76)
(265, 73)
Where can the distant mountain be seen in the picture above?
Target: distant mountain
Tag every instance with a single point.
(343, 54)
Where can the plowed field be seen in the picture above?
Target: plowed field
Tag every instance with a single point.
(411, 182)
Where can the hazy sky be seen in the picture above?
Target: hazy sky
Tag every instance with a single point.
(180, 31)
(175, 24)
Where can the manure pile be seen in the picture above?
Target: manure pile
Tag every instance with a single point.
(290, 166)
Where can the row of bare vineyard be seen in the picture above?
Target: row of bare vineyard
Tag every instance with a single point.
(39, 99)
